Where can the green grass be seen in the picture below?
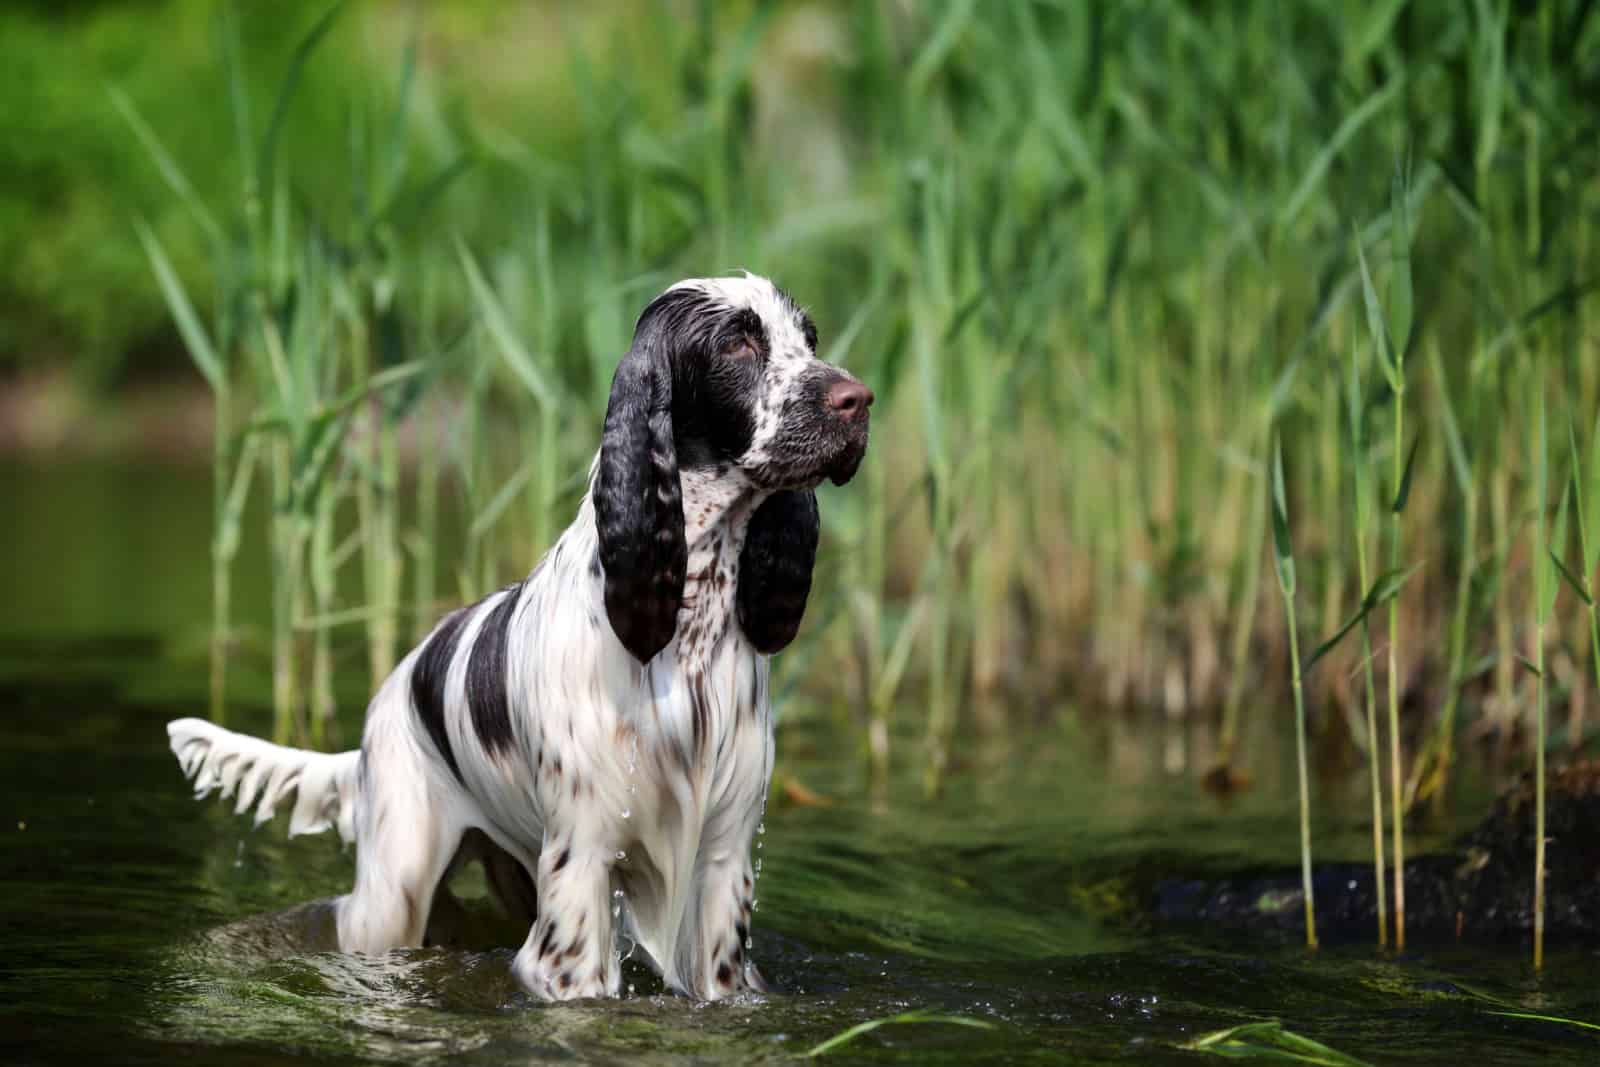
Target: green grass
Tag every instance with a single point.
(918, 1016)
(1284, 551)
(1269, 1041)
(1094, 260)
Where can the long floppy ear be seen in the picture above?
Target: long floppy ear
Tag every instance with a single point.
(780, 548)
(638, 501)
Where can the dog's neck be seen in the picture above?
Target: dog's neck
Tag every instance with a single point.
(717, 505)
(717, 502)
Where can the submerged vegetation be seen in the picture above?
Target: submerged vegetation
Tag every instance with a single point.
(916, 1015)
(1094, 259)
(1269, 1041)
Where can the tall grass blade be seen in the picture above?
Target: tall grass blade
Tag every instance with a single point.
(1383, 589)
(1544, 602)
(1400, 295)
(1575, 583)
(1455, 446)
(171, 173)
(1392, 359)
(517, 358)
(944, 37)
(1282, 550)
(267, 157)
(1404, 492)
(1286, 581)
(1375, 324)
(1360, 458)
(1491, 34)
(195, 338)
(1589, 500)
(1348, 128)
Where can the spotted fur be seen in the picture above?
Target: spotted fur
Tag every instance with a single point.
(599, 735)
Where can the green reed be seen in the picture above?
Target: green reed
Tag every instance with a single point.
(1283, 552)
(1586, 506)
(1389, 338)
(1431, 770)
(1089, 278)
(1544, 596)
(1355, 404)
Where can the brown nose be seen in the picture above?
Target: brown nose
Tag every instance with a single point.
(849, 398)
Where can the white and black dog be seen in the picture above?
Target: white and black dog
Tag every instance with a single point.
(599, 735)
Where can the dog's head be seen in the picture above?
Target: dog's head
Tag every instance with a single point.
(722, 376)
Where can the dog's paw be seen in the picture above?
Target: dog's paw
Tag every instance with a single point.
(565, 976)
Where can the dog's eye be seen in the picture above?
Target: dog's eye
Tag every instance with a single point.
(742, 347)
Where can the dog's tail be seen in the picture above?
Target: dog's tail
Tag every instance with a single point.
(263, 774)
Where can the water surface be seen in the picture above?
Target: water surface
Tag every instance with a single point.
(141, 927)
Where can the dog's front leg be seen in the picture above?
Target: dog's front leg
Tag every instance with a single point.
(721, 963)
(569, 953)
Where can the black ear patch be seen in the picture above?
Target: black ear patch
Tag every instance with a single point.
(780, 548)
(638, 501)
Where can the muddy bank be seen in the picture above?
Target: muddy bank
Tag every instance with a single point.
(1479, 889)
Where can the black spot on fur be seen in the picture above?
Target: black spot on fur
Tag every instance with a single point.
(724, 974)
(561, 860)
(487, 698)
(427, 683)
(547, 942)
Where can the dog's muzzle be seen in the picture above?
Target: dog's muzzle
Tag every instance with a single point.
(848, 403)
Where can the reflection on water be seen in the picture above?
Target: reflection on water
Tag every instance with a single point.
(142, 927)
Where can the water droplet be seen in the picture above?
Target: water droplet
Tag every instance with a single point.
(630, 989)
(749, 943)
(622, 856)
(627, 813)
(754, 903)
(761, 827)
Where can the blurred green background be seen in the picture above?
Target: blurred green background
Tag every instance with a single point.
(1095, 259)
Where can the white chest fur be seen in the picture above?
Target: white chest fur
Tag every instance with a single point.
(656, 773)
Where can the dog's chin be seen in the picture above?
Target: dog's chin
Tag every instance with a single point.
(838, 468)
(845, 465)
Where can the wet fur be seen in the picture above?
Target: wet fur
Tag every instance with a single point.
(599, 735)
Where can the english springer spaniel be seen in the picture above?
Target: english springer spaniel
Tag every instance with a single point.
(599, 735)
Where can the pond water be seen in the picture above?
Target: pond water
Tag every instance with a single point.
(141, 927)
